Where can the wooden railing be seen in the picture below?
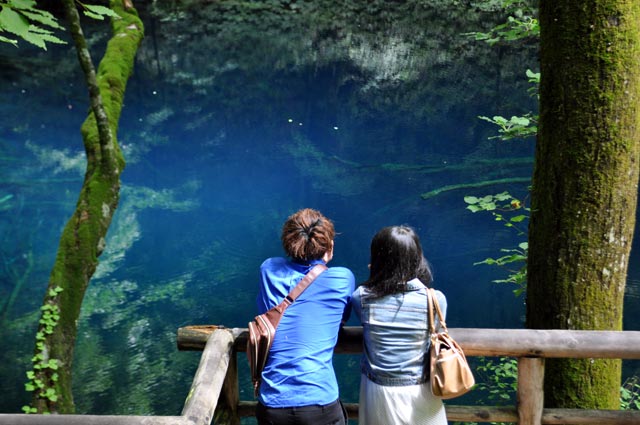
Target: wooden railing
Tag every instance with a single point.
(214, 393)
(530, 347)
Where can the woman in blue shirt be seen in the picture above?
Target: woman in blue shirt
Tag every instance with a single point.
(392, 306)
(299, 385)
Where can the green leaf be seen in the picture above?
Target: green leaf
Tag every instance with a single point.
(43, 18)
(533, 75)
(93, 15)
(487, 261)
(471, 200)
(518, 218)
(524, 245)
(474, 208)
(504, 196)
(8, 40)
(13, 22)
(101, 11)
(51, 395)
(34, 39)
(523, 121)
(22, 4)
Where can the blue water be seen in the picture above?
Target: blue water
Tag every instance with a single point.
(224, 138)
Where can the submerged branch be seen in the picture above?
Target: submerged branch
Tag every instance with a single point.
(484, 183)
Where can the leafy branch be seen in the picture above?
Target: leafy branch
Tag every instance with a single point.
(521, 23)
(42, 387)
(518, 127)
(22, 19)
(513, 214)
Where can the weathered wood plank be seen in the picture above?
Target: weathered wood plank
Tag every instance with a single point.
(454, 413)
(481, 413)
(207, 383)
(227, 409)
(530, 390)
(20, 419)
(247, 408)
(549, 343)
(483, 342)
(590, 417)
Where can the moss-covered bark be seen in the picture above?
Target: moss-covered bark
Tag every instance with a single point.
(83, 237)
(585, 185)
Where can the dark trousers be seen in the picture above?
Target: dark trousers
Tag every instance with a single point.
(330, 414)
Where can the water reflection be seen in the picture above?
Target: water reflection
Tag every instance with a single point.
(234, 118)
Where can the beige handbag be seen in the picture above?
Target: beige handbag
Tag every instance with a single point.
(451, 375)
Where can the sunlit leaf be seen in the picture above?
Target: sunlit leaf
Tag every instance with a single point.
(43, 18)
(13, 22)
(22, 4)
(471, 199)
(100, 10)
(93, 15)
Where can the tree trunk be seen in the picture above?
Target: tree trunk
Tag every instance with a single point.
(83, 238)
(585, 185)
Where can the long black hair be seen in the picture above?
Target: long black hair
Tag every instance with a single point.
(396, 258)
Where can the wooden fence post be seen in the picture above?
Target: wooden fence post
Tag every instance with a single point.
(227, 409)
(207, 384)
(530, 390)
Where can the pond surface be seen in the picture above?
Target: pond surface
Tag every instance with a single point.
(239, 114)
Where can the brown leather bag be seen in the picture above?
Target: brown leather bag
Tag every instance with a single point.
(262, 329)
(451, 375)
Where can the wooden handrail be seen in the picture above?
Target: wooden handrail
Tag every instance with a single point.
(475, 342)
(531, 347)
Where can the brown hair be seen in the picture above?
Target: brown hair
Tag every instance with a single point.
(307, 235)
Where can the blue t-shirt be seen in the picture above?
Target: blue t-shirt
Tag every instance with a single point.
(299, 370)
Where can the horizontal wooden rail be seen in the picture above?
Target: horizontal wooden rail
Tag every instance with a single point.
(476, 342)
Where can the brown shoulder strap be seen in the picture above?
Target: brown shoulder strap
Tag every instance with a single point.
(306, 281)
(433, 305)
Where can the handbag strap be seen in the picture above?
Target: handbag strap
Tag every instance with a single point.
(434, 306)
(305, 282)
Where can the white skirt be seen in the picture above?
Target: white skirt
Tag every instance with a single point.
(399, 405)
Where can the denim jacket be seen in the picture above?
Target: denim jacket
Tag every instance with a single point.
(395, 334)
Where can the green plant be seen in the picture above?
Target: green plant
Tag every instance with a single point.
(630, 394)
(41, 361)
(515, 127)
(499, 378)
(97, 12)
(512, 213)
(23, 19)
(521, 23)
(518, 127)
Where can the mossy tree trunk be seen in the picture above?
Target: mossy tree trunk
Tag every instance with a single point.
(83, 238)
(585, 185)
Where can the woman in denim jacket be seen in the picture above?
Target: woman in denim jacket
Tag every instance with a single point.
(392, 306)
